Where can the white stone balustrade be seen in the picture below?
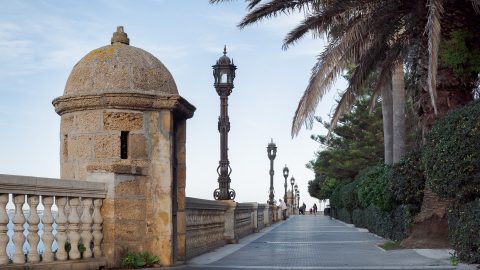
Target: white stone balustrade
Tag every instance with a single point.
(77, 221)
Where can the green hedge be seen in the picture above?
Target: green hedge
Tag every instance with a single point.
(451, 156)
(373, 187)
(464, 230)
(408, 181)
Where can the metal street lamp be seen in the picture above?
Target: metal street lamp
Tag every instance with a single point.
(296, 195)
(272, 153)
(224, 73)
(298, 198)
(292, 182)
(285, 174)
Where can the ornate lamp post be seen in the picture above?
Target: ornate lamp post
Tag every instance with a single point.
(296, 195)
(298, 198)
(285, 174)
(224, 73)
(292, 182)
(272, 153)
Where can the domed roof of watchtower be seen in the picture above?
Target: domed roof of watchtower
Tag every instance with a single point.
(120, 76)
(120, 68)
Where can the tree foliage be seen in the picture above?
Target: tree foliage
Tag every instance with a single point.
(356, 143)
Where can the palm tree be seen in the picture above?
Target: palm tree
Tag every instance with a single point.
(377, 35)
(374, 35)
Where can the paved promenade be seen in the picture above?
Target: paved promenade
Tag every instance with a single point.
(313, 242)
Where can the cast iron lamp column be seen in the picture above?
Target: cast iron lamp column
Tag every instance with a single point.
(295, 198)
(298, 198)
(285, 174)
(292, 182)
(272, 153)
(224, 73)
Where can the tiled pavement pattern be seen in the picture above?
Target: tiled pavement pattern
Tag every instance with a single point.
(312, 242)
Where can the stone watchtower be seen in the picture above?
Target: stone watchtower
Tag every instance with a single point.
(124, 123)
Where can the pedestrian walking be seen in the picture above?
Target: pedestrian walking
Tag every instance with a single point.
(304, 206)
(315, 209)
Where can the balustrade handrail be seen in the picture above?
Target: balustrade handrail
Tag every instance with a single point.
(246, 206)
(201, 204)
(30, 185)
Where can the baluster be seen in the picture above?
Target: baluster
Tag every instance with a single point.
(61, 235)
(47, 236)
(86, 227)
(97, 228)
(18, 221)
(3, 229)
(73, 235)
(33, 220)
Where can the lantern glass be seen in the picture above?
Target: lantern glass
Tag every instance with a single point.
(224, 76)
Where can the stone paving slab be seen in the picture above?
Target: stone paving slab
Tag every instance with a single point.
(313, 242)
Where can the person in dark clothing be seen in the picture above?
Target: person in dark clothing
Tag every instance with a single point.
(315, 209)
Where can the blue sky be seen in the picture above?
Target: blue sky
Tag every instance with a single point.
(40, 42)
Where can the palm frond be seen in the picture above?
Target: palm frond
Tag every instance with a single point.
(433, 27)
(321, 22)
(476, 6)
(353, 46)
(273, 9)
(344, 104)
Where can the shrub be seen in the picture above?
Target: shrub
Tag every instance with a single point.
(373, 187)
(138, 260)
(349, 196)
(463, 225)
(335, 199)
(451, 156)
(408, 182)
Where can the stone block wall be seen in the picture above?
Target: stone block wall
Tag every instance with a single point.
(244, 224)
(205, 226)
(209, 226)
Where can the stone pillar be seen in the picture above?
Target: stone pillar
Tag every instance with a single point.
(266, 216)
(230, 236)
(255, 216)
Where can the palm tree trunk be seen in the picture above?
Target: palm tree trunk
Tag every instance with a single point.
(387, 114)
(398, 107)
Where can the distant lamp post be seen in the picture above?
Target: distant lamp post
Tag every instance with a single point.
(296, 195)
(285, 174)
(298, 198)
(272, 153)
(292, 182)
(224, 73)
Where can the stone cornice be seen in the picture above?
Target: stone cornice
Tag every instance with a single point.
(201, 204)
(18, 184)
(130, 101)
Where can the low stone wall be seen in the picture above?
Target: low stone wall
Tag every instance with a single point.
(205, 222)
(244, 223)
(212, 224)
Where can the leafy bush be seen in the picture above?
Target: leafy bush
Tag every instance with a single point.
(463, 225)
(138, 260)
(451, 157)
(408, 181)
(336, 198)
(349, 196)
(373, 187)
